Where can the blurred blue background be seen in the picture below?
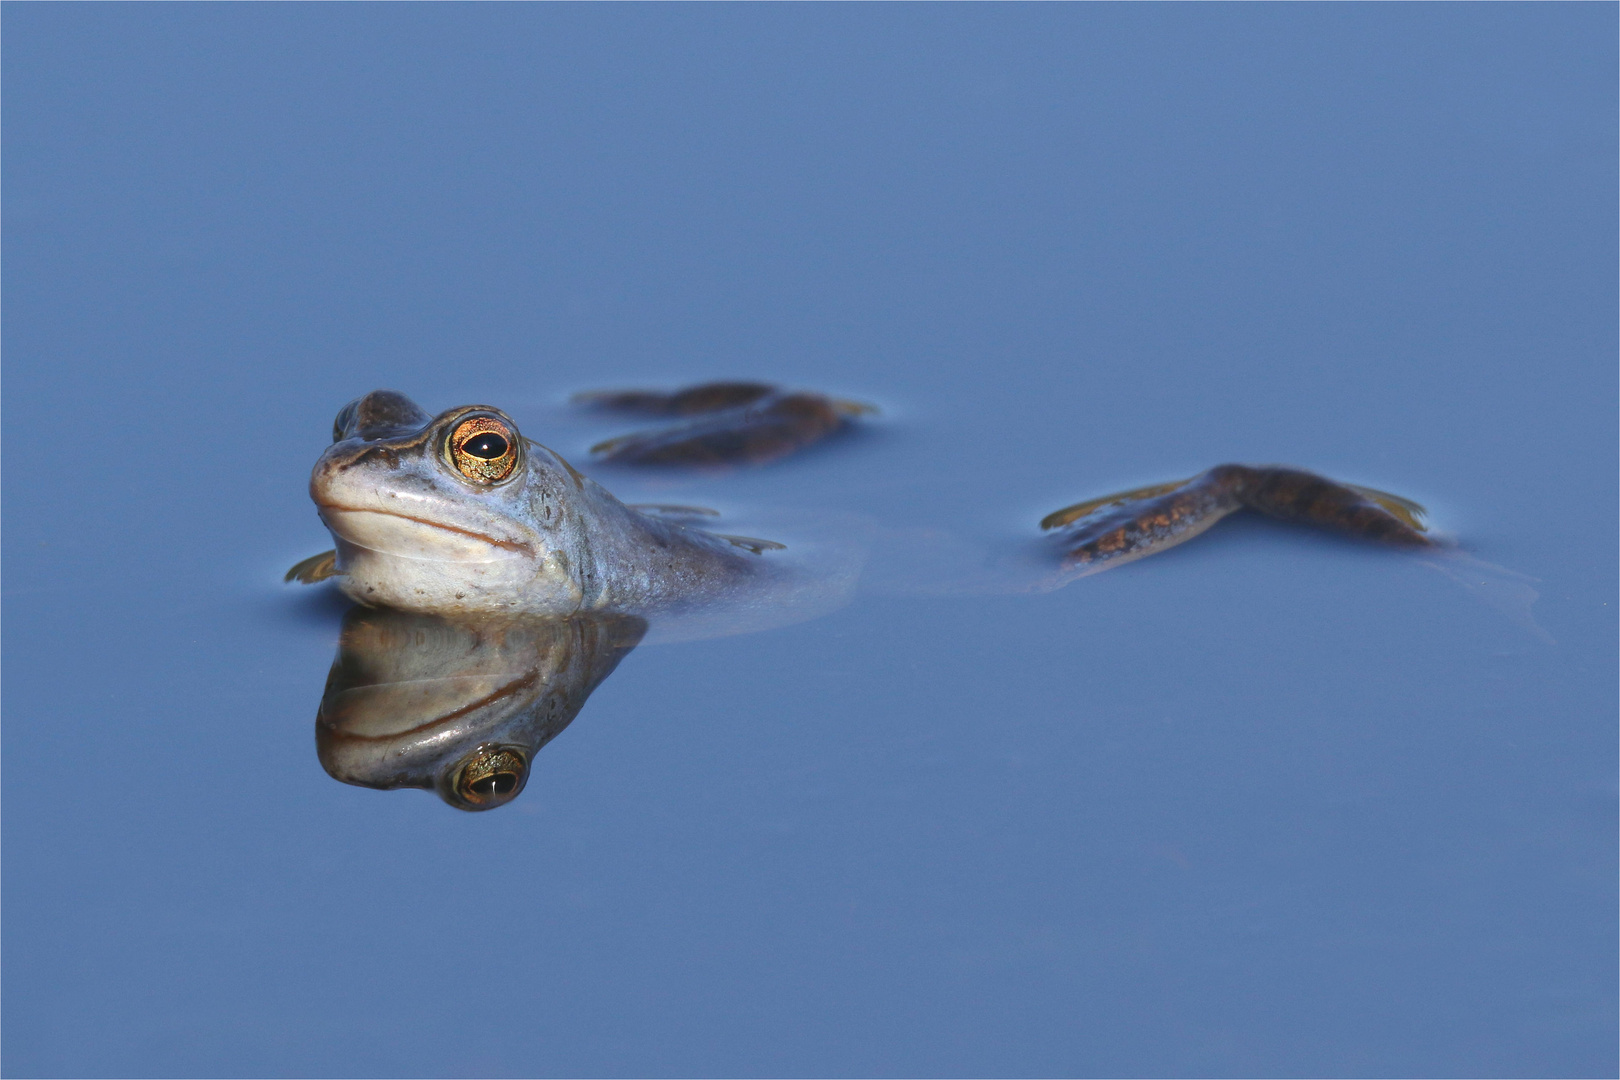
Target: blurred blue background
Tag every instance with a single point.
(1270, 804)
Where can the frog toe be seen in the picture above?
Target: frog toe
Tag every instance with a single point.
(315, 568)
(752, 543)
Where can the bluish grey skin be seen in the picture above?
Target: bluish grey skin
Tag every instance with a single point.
(414, 533)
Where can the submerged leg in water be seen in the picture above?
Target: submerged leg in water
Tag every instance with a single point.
(1120, 528)
(721, 424)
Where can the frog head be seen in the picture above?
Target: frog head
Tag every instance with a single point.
(456, 512)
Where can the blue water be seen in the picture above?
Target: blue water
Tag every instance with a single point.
(1270, 804)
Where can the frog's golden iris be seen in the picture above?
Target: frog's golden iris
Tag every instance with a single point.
(483, 449)
(491, 776)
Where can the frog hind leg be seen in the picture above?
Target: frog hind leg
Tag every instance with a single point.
(751, 543)
(1365, 513)
(1130, 525)
(674, 512)
(691, 401)
(753, 434)
(315, 568)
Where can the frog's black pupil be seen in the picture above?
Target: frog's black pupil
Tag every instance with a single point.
(486, 445)
(483, 785)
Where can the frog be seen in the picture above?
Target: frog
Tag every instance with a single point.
(460, 514)
(1102, 533)
(460, 706)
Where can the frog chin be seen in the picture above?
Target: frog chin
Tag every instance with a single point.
(454, 586)
(413, 564)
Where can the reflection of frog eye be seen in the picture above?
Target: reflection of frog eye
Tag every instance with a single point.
(483, 449)
(492, 776)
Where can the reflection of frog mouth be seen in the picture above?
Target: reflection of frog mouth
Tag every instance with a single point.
(496, 542)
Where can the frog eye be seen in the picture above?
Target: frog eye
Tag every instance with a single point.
(492, 776)
(484, 449)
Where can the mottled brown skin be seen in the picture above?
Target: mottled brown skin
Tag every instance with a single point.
(693, 401)
(1296, 495)
(1137, 523)
(1150, 524)
(725, 424)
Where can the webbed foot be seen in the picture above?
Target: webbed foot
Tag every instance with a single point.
(724, 424)
(1365, 513)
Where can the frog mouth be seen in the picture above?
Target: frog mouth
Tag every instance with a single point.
(334, 513)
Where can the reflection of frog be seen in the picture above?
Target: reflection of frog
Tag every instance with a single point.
(462, 708)
(1117, 529)
(460, 514)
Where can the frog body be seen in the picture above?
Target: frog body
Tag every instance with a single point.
(459, 514)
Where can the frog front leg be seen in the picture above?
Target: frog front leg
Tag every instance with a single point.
(315, 568)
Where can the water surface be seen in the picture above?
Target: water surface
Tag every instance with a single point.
(1268, 804)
